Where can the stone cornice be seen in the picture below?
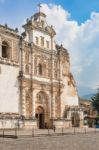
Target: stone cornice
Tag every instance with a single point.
(8, 31)
(35, 81)
(9, 115)
(8, 62)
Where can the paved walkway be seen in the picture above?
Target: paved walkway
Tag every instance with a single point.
(66, 142)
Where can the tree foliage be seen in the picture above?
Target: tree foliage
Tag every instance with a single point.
(95, 101)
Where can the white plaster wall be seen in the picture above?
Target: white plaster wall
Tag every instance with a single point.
(39, 34)
(9, 94)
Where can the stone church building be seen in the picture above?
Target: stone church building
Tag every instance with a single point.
(37, 89)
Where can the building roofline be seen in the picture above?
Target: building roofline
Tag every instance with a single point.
(10, 29)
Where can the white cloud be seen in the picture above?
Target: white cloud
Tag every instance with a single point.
(82, 41)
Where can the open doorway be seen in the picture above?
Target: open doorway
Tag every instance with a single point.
(40, 115)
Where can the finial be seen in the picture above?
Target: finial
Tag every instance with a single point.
(6, 26)
(16, 29)
(61, 45)
(39, 5)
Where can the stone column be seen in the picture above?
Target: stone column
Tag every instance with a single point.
(20, 78)
(23, 103)
(33, 103)
(53, 106)
(52, 75)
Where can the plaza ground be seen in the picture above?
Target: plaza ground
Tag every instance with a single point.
(79, 141)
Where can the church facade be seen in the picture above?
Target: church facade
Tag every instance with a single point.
(37, 89)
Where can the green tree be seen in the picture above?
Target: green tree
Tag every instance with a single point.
(95, 101)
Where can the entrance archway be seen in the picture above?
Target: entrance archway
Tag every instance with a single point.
(75, 119)
(40, 115)
(42, 111)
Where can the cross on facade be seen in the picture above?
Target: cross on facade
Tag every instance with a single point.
(39, 5)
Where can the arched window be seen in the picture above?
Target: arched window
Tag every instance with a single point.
(5, 51)
(40, 71)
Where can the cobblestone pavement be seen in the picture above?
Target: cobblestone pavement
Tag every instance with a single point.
(66, 142)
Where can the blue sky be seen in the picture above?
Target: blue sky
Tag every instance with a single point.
(77, 26)
(17, 10)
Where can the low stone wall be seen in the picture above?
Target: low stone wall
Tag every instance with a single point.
(10, 123)
(62, 123)
(30, 124)
(16, 123)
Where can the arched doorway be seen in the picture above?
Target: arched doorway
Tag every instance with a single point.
(40, 117)
(75, 119)
(42, 109)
